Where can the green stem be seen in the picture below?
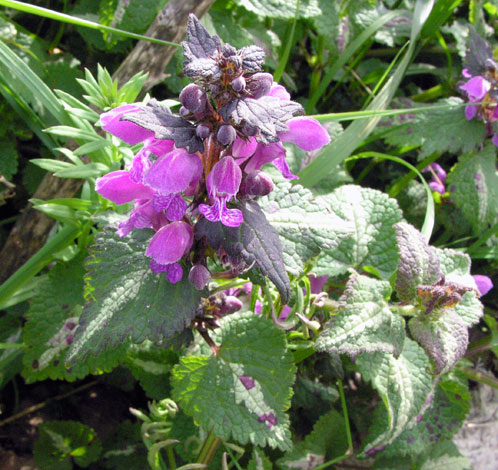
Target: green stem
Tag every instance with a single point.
(37, 262)
(171, 458)
(208, 449)
(285, 55)
(478, 376)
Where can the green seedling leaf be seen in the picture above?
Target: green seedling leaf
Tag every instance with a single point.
(305, 223)
(444, 340)
(326, 441)
(364, 321)
(129, 301)
(52, 320)
(255, 241)
(240, 393)
(473, 185)
(418, 263)
(454, 134)
(403, 384)
(64, 442)
(372, 215)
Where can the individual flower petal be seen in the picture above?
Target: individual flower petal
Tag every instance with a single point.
(219, 212)
(176, 208)
(173, 172)
(243, 148)
(118, 187)
(282, 166)
(127, 131)
(264, 154)
(471, 112)
(476, 88)
(466, 73)
(307, 133)
(224, 179)
(160, 147)
(174, 273)
(484, 283)
(317, 283)
(199, 276)
(437, 187)
(279, 91)
(170, 243)
(495, 140)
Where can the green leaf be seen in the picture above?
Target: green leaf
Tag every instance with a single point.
(138, 16)
(443, 417)
(52, 320)
(8, 159)
(372, 215)
(440, 130)
(259, 461)
(403, 384)
(281, 8)
(242, 392)
(129, 300)
(418, 263)
(326, 441)
(304, 222)
(255, 240)
(442, 456)
(10, 358)
(62, 441)
(444, 340)
(473, 185)
(364, 321)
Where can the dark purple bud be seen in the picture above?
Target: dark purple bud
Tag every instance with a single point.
(232, 304)
(238, 84)
(226, 134)
(491, 64)
(199, 276)
(227, 50)
(260, 84)
(203, 131)
(256, 183)
(248, 382)
(193, 97)
(249, 130)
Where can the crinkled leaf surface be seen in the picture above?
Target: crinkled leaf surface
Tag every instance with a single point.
(473, 185)
(268, 114)
(52, 321)
(478, 51)
(403, 384)
(166, 126)
(249, 379)
(364, 321)
(200, 44)
(282, 8)
(445, 339)
(130, 302)
(441, 420)
(255, 240)
(418, 263)
(305, 223)
(440, 130)
(372, 215)
(326, 441)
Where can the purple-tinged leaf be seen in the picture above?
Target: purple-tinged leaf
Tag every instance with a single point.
(444, 340)
(417, 265)
(166, 126)
(267, 114)
(478, 52)
(255, 241)
(253, 58)
(200, 43)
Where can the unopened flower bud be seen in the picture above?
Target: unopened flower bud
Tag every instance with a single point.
(203, 131)
(227, 50)
(256, 183)
(199, 276)
(232, 304)
(226, 134)
(193, 97)
(491, 64)
(184, 112)
(260, 84)
(238, 84)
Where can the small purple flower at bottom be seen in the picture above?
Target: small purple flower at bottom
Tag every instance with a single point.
(484, 283)
(223, 184)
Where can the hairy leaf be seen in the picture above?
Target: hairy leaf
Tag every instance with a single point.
(403, 384)
(158, 118)
(364, 322)
(326, 441)
(372, 215)
(255, 241)
(441, 420)
(282, 8)
(247, 391)
(478, 52)
(440, 130)
(445, 339)
(418, 263)
(200, 44)
(473, 185)
(52, 321)
(267, 114)
(129, 300)
(305, 224)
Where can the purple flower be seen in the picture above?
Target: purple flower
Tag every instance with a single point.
(118, 187)
(199, 276)
(484, 283)
(475, 89)
(127, 131)
(223, 183)
(438, 177)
